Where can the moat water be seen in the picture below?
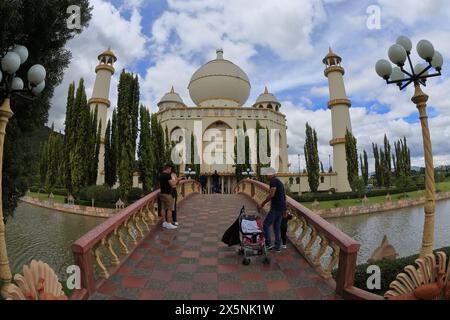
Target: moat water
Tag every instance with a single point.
(403, 228)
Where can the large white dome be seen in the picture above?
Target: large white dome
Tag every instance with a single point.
(219, 83)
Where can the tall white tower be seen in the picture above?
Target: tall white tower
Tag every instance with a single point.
(100, 100)
(339, 105)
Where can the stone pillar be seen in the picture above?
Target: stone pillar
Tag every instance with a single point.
(339, 105)
(100, 101)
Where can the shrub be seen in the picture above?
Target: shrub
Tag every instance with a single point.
(336, 204)
(99, 193)
(135, 194)
(389, 271)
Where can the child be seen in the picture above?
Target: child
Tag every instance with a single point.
(284, 226)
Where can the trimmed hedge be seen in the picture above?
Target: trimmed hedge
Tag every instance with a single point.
(389, 271)
(323, 196)
(56, 191)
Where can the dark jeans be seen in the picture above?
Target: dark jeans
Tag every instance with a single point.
(273, 218)
(284, 227)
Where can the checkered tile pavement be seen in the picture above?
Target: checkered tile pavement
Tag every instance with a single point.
(192, 262)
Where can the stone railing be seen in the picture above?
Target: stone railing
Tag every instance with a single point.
(323, 245)
(101, 251)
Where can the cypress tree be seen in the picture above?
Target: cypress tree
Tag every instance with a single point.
(387, 162)
(351, 153)
(312, 158)
(145, 151)
(376, 155)
(108, 157)
(114, 157)
(366, 168)
(70, 127)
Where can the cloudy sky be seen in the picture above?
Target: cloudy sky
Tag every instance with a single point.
(278, 43)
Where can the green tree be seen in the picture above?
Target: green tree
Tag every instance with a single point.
(114, 158)
(312, 158)
(365, 172)
(351, 153)
(145, 151)
(158, 149)
(69, 134)
(110, 179)
(387, 168)
(41, 26)
(378, 171)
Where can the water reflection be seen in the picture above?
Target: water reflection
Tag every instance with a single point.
(43, 234)
(403, 228)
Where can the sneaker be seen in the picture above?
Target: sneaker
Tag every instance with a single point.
(175, 224)
(284, 246)
(171, 226)
(165, 225)
(270, 247)
(278, 249)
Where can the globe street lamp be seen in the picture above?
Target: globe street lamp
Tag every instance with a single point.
(11, 85)
(189, 173)
(248, 173)
(398, 54)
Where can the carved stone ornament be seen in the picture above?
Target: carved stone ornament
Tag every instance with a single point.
(430, 281)
(38, 282)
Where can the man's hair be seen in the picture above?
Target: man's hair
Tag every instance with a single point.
(167, 166)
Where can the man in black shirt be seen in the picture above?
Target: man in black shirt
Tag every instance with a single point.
(277, 198)
(166, 186)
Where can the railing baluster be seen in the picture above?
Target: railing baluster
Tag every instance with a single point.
(333, 261)
(130, 231)
(114, 258)
(323, 247)
(137, 226)
(98, 258)
(311, 241)
(123, 246)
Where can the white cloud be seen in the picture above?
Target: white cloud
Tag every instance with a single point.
(107, 28)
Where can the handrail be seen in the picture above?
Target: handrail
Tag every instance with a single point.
(98, 248)
(314, 237)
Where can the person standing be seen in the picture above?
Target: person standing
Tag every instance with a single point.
(174, 195)
(215, 179)
(166, 185)
(277, 198)
(203, 182)
(284, 227)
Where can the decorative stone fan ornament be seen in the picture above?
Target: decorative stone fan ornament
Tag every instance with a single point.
(431, 281)
(38, 282)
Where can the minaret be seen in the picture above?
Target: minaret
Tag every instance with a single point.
(339, 105)
(100, 100)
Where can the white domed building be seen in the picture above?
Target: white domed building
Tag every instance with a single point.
(220, 89)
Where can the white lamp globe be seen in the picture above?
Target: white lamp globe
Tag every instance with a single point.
(419, 68)
(36, 74)
(397, 74)
(425, 50)
(437, 62)
(383, 68)
(405, 42)
(39, 88)
(11, 62)
(17, 84)
(22, 51)
(397, 54)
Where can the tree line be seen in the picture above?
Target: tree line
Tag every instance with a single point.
(388, 164)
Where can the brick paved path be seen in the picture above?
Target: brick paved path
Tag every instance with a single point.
(193, 263)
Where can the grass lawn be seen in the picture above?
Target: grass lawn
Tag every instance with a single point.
(44, 197)
(345, 203)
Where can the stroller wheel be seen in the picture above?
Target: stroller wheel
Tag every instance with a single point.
(246, 261)
(266, 260)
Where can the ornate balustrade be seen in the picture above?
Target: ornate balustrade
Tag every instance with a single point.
(321, 243)
(102, 250)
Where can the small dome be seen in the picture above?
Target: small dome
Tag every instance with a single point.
(219, 82)
(108, 53)
(267, 97)
(331, 56)
(171, 97)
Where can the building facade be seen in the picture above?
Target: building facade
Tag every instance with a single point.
(220, 90)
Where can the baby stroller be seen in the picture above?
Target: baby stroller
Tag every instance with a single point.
(252, 238)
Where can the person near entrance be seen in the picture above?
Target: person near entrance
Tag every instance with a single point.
(203, 182)
(216, 183)
(175, 196)
(277, 198)
(167, 200)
